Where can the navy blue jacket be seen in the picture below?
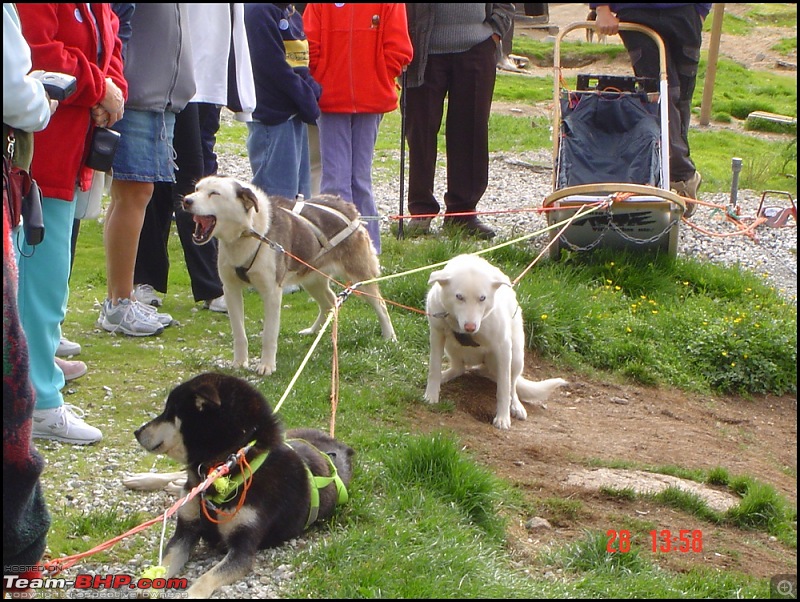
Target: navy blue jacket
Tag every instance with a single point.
(279, 53)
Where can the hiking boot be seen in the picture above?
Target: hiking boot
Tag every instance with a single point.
(217, 305)
(162, 318)
(71, 369)
(144, 293)
(688, 188)
(65, 425)
(67, 348)
(417, 226)
(128, 318)
(469, 225)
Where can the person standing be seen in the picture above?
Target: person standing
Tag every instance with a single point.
(159, 72)
(80, 40)
(357, 51)
(455, 57)
(26, 519)
(223, 76)
(680, 26)
(286, 100)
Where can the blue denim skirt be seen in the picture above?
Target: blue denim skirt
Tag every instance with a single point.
(145, 152)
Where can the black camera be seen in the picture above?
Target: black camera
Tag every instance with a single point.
(32, 218)
(57, 85)
(102, 149)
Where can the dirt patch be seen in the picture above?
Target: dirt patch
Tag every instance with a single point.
(549, 456)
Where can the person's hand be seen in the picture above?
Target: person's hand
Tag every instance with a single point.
(496, 38)
(113, 103)
(101, 117)
(53, 106)
(607, 22)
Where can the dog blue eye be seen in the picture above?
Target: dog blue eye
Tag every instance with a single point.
(482, 298)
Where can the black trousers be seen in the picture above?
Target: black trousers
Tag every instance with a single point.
(152, 258)
(681, 30)
(466, 79)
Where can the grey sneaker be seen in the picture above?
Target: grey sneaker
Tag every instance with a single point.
(144, 293)
(688, 188)
(64, 424)
(128, 318)
(162, 318)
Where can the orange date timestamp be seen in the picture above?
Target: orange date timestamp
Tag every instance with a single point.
(666, 541)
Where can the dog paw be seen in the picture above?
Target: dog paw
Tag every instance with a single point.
(431, 397)
(503, 423)
(517, 411)
(265, 368)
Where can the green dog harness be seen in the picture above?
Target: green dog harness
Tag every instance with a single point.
(226, 488)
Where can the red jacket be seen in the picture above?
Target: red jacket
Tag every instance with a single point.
(63, 38)
(357, 51)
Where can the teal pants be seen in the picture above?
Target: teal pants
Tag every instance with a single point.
(42, 297)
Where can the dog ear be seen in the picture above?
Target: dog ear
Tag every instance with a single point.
(439, 276)
(206, 397)
(248, 198)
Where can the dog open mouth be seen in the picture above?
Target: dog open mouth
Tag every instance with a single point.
(203, 228)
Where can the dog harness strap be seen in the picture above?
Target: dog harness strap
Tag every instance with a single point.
(327, 244)
(226, 487)
(317, 483)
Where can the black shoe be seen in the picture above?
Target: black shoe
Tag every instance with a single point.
(470, 225)
(417, 226)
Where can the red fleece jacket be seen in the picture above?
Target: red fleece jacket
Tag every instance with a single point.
(63, 38)
(357, 51)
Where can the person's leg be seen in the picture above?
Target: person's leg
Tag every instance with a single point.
(469, 102)
(315, 159)
(144, 156)
(152, 257)
(681, 30)
(201, 260)
(336, 148)
(208, 116)
(42, 298)
(365, 134)
(424, 110)
(274, 157)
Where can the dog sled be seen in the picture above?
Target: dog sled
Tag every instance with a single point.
(611, 155)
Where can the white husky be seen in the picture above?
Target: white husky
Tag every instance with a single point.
(475, 320)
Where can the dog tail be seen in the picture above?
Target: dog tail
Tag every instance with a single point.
(537, 391)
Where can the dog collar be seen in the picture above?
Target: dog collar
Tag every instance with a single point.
(465, 340)
(318, 483)
(227, 487)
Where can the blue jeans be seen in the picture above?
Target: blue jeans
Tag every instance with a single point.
(42, 297)
(347, 145)
(279, 157)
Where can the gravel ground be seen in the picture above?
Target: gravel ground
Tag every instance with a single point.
(516, 182)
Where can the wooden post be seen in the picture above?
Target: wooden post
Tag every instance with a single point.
(713, 54)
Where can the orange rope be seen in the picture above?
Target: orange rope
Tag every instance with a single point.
(244, 468)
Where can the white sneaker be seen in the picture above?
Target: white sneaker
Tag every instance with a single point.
(162, 318)
(67, 348)
(144, 293)
(64, 424)
(217, 304)
(127, 317)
